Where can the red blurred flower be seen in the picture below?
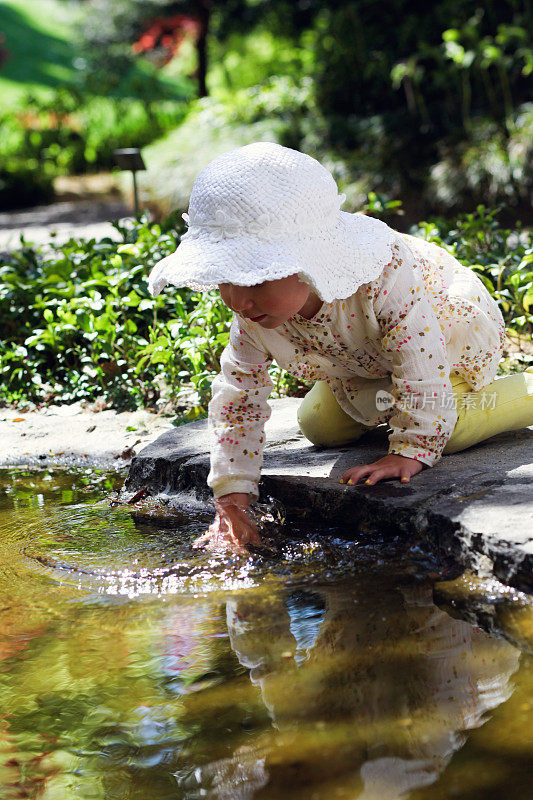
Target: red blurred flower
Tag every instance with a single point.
(163, 37)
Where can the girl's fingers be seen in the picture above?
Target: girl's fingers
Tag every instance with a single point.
(250, 534)
(355, 474)
(215, 531)
(368, 472)
(373, 475)
(390, 466)
(202, 539)
(377, 476)
(221, 542)
(226, 534)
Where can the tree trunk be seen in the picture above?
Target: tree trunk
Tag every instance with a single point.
(201, 46)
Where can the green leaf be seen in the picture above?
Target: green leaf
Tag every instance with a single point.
(450, 35)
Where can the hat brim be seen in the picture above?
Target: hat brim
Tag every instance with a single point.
(334, 263)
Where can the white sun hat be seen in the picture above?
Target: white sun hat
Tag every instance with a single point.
(262, 212)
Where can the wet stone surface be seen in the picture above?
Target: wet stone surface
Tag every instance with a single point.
(476, 505)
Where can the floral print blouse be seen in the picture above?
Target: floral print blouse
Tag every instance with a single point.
(426, 315)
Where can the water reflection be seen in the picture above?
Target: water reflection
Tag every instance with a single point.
(371, 688)
(330, 673)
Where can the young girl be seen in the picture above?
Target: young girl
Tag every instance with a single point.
(392, 329)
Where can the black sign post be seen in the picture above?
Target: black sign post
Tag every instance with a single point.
(131, 158)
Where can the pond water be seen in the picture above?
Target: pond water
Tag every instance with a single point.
(132, 666)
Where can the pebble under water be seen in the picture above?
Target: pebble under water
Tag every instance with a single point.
(133, 667)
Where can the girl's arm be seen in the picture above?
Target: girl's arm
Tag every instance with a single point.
(411, 335)
(237, 414)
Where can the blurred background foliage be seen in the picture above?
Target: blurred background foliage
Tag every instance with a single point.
(432, 106)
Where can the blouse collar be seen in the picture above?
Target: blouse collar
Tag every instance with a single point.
(320, 317)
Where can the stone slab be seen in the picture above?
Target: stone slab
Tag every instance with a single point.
(476, 505)
(74, 435)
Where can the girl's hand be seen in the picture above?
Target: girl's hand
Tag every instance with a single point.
(391, 466)
(232, 527)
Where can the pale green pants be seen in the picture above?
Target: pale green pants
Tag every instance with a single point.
(507, 406)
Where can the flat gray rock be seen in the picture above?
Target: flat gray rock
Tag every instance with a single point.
(76, 435)
(55, 223)
(476, 505)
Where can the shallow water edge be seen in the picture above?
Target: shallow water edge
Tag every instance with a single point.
(132, 666)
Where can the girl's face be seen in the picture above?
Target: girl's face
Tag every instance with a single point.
(273, 302)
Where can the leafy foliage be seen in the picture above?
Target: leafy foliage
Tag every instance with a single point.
(502, 258)
(454, 175)
(71, 133)
(74, 319)
(432, 107)
(77, 321)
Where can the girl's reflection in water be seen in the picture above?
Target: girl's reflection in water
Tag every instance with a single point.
(370, 692)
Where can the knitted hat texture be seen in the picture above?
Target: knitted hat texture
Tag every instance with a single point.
(262, 212)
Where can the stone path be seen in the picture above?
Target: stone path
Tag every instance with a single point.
(477, 504)
(85, 218)
(76, 435)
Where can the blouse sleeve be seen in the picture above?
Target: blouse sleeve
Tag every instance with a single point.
(237, 414)
(411, 334)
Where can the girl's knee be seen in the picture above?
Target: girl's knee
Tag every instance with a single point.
(323, 422)
(506, 404)
(313, 417)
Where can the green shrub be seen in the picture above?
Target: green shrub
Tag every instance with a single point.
(77, 321)
(488, 164)
(75, 317)
(502, 258)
